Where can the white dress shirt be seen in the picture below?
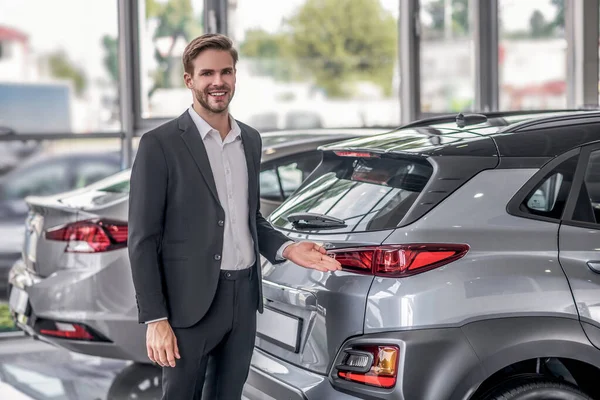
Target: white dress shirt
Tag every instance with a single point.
(230, 172)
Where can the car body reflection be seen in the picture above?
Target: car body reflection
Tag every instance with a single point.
(31, 369)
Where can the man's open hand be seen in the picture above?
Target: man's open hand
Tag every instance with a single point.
(311, 255)
(161, 343)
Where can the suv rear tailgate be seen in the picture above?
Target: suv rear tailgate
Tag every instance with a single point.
(309, 314)
(358, 201)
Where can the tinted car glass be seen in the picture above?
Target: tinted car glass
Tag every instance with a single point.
(92, 171)
(368, 194)
(592, 180)
(269, 185)
(587, 208)
(38, 180)
(292, 174)
(548, 199)
(111, 189)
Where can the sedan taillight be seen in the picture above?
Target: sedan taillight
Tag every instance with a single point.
(398, 260)
(93, 236)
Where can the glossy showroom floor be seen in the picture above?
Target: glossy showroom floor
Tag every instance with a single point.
(31, 369)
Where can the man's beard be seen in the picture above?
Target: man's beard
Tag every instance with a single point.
(203, 98)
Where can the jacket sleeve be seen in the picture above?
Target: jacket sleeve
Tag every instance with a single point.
(147, 199)
(270, 240)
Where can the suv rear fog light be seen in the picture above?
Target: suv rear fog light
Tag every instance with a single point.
(371, 365)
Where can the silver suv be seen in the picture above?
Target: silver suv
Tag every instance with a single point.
(471, 255)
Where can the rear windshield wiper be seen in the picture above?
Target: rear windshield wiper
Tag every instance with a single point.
(314, 220)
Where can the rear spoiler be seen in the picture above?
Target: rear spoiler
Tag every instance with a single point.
(39, 204)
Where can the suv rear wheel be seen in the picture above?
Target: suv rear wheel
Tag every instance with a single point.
(533, 388)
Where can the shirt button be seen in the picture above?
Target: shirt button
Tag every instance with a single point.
(217, 257)
(221, 222)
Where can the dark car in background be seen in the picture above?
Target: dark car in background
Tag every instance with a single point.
(41, 175)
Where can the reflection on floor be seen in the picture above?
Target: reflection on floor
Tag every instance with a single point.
(31, 369)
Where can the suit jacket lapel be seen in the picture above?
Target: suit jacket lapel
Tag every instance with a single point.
(195, 145)
(249, 151)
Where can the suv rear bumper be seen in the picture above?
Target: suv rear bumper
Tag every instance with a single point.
(437, 364)
(271, 378)
(434, 364)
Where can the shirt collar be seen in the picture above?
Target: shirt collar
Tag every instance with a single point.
(205, 128)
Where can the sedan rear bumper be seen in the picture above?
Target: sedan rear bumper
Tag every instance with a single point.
(101, 300)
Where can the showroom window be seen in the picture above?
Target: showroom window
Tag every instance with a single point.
(59, 70)
(166, 27)
(549, 198)
(316, 63)
(532, 54)
(447, 57)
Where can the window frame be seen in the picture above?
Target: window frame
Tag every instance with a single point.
(578, 179)
(514, 205)
(583, 153)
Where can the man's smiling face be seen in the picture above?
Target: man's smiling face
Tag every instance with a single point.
(213, 80)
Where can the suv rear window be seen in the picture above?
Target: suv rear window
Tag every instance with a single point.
(367, 193)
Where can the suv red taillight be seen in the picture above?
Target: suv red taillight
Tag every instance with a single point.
(398, 260)
(93, 236)
(371, 365)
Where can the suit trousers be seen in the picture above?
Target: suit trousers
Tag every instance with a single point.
(216, 351)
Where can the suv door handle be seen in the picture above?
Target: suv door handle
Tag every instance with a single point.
(594, 266)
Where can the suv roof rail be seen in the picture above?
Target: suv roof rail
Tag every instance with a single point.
(585, 117)
(449, 118)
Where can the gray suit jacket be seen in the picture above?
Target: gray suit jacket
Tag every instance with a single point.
(176, 222)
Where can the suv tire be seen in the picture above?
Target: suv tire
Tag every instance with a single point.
(535, 387)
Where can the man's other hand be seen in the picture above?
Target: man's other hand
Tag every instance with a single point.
(311, 255)
(161, 344)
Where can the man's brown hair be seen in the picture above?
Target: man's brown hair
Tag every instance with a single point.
(207, 41)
